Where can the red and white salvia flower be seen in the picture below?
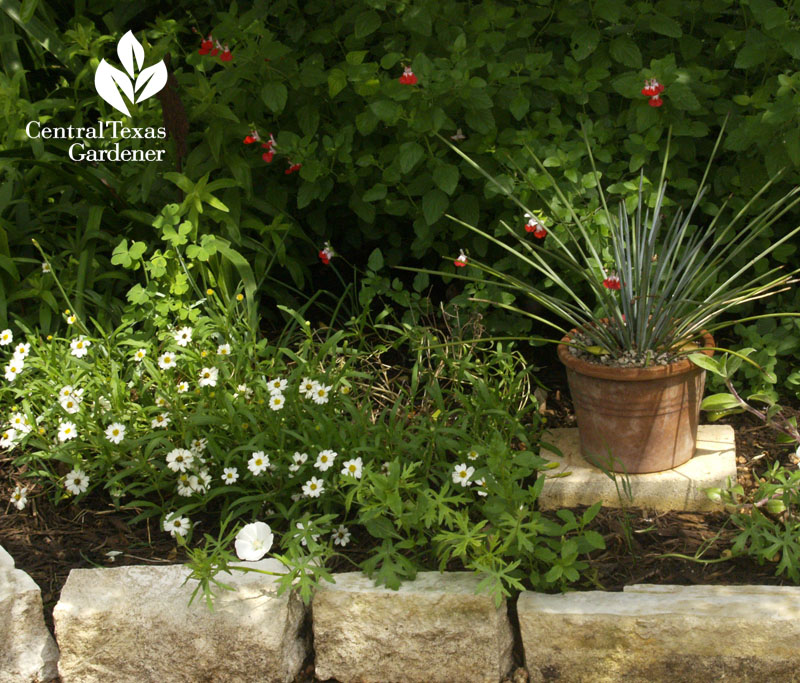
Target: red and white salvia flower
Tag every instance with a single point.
(326, 254)
(461, 261)
(612, 282)
(251, 138)
(293, 168)
(226, 55)
(533, 225)
(212, 47)
(269, 145)
(408, 77)
(652, 89)
(206, 45)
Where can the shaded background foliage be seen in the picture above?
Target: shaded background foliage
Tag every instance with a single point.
(375, 178)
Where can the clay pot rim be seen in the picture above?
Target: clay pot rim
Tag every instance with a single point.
(583, 367)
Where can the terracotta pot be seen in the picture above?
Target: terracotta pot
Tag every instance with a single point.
(636, 420)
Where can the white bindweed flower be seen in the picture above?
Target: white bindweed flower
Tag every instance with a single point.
(21, 351)
(76, 481)
(325, 459)
(166, 361)
(307, 387)
(18, 498)
(179, 459)
(299, 459)
(161, 420)
(8, 437)
(230, 475)
(258, 462)
(341, 536)
(276, 386)
(183, 336)
(320, 394)
(70, 404)
(462, 473)
(253, 541)
(6, 337)
(80, 347)
(276, 401)
(66, 431)
(183, 387)
(139, 355)
(353, 468)
(208, 377)
(224, 350)
(176, 525)
(115, 432)
(313, 487)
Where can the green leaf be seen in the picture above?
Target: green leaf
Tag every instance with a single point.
(720, 402)
(337, 80)
(28, 9)
(682, 97)
(446, 177)
(519, 106)
(390, 59)
(356, 57)
(375, 261)
(409, 155)
(421, 281)
(386, 110)
(626, 52)
(610, 10)
(274, 95)
(661, 23)
(375, 193)
(584, 41)
(366, 23)
(434, 204)
(706, 363)
(308, 119)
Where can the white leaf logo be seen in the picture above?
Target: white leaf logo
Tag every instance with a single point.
(109, 81)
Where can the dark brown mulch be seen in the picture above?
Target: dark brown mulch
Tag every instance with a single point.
(47, 541)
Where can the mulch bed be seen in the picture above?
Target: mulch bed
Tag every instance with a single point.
(47, 541)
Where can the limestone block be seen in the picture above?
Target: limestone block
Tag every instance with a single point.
(432, 629)
(663, 633)
(27, 650)
(682, 488)
(135, 624)
(5, 559)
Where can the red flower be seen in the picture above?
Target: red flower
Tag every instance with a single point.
(534, 226)
(326, 254)
(612, 282)
(214, 52)
(206, 45)
(226, 55)
(267, 156)
(652, 88)
(292, 168)
(253, 137)
(408, 77)
(540, 233)
(655, 101)
(461, 261)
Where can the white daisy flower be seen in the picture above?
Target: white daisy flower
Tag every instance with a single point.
(325, 459)
(352, 468)
(139, 355)
(66, 391)
(299, 459)
(104, 403)
(21, 351)
(276, 386)
(276, 401)
(66, 431)
(13, 368)
(80, 347)
(313, 487)
(186, 484)
(166, 361)
(71, 319)
(7, 438)
(481, 484)
(198, 446)
(462, 473)
(224, 350)
(230, 475)
(341, 536)
(161, 402)
(208, 377)
(183, 387)
(115, 432)
(6, 337)
(19, 422)
(176, 525)
(70, 404)
(160, 421)
(320, 394)
(76, 481)
(18, 498)
(473, 454)
(243, 389)
(307, 387)
(179, 459)
(258, 462)
(253, 541)
(183, 336)
(46, 267)
(299, 525)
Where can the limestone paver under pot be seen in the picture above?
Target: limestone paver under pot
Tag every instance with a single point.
(134, 624)
(663, 634)
(28, 652)
(678, 489)
(432, 629)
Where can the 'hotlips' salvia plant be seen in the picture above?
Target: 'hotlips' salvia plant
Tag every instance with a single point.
(662, 289)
